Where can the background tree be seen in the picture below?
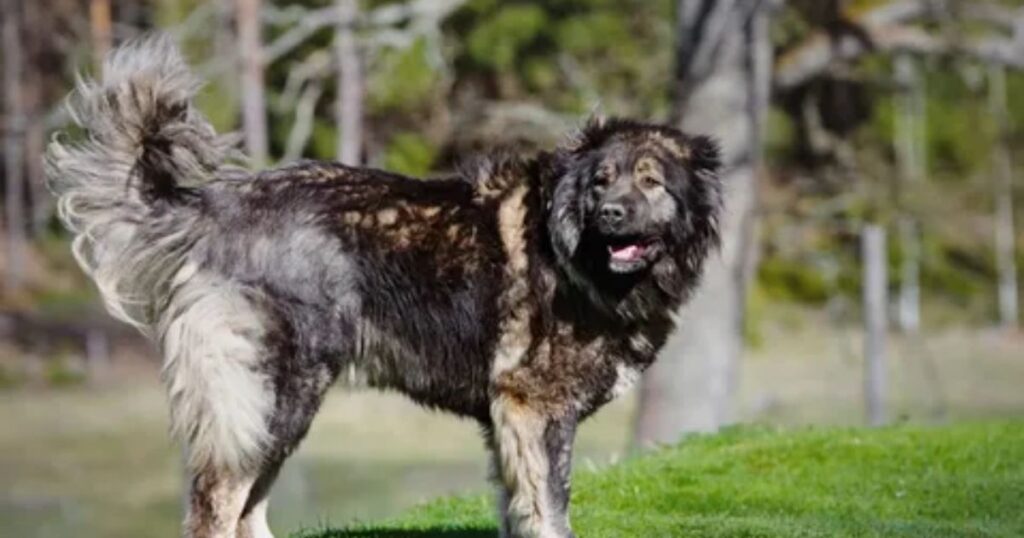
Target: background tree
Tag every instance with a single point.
(1002, 182)
(100, 30)
(248, 17)
(722, 80)
(723, 61)
(14, 131)
(350, 84)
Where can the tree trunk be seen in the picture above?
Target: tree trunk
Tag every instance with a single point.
(1003, 192)
(721, 89)
(250, 47)
(13, 145)
(349, 111)
(40, 204)
(100, 30)
(875, 294)
(910, 154)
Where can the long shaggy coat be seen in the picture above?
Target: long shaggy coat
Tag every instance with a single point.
(524, 292)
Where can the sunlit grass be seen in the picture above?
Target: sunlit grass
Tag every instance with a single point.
(963, 480)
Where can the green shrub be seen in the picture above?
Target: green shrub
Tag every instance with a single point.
(790, 280)
(62, 372)
(409, 153)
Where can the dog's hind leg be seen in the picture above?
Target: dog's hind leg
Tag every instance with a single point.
(221, 398)
(253, 523)
(533, 449)
(215, 503)
(300, 392)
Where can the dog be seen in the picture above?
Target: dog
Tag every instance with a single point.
(524, 291)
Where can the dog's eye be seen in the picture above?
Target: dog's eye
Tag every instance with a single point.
(649, 181)
(604, 174)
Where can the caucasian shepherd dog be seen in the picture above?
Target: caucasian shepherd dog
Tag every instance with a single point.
(524, 292)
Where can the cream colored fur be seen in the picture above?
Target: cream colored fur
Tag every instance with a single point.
(524, 469)
(220, 401)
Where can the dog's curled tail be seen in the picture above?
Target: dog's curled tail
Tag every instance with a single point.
(124, 189)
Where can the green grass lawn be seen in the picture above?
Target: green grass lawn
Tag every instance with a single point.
(920, 481)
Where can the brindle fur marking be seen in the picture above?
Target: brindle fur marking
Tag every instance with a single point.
(524, 292)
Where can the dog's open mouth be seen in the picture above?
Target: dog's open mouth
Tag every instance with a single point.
(628, 255)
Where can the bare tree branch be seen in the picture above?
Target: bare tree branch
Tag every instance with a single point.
(303, 30)
(284, 15)
(1006, 18)
(196, 21)
(314, 67)
(302, 128)
(392, 14)
(917, 41)
(888, 28)
(423, 14)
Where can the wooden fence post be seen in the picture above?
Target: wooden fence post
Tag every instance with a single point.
(875, 284)
(97, 355)
(911, 157)
(1003, 192)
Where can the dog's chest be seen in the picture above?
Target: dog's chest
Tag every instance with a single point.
(579, 367)
(613, 365)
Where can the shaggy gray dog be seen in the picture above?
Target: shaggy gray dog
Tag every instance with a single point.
(524, 292)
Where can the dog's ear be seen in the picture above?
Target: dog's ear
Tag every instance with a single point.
(704, 201)
(565, 216)
(586, 135)
(566, 210)
(705, 155)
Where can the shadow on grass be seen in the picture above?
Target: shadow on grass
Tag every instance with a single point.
(406, 533)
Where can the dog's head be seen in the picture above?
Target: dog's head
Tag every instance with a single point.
(630, 196)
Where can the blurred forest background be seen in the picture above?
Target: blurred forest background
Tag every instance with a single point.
(869, 271)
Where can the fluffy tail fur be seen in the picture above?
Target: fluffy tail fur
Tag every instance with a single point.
(124, 190)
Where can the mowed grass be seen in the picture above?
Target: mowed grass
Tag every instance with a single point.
(919, 481)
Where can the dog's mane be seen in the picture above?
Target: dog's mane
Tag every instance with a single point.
(497, 173)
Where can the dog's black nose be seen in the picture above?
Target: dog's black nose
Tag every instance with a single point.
(613, 213)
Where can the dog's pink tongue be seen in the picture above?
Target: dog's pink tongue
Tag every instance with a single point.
(627, 253)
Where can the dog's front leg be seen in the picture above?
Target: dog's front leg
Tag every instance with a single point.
(502, 495)
(533, 453)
